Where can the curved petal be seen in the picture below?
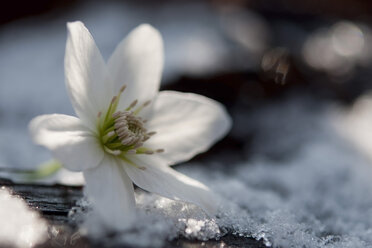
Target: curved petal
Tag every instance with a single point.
(138, 63)
(85, 72)
(186, 124)
(163, 180)
(70, 141)
(112, 194)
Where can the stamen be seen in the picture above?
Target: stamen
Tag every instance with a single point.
(138, 145)
(132, 105)
(159, 150)
(151, 133)
(114, 103)
(99, 120)
(127, 141)
(123, 88)
(113, 152)
(122, 129)
(122, 135)
(118, 125)
(114, 145)
(110, 134)
(116, 114)
(116, 152)
(132, 151)
(121, 119)
(113, 99)
(142, 106)
(108, 130)
(123, 132)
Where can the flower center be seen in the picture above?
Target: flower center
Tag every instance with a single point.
(129, 129)
(123, 132)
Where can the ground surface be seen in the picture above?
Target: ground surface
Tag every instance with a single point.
(55, 202)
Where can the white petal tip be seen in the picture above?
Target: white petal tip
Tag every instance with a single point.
(76, 27)
(146, 32)
(74, 23)
(147, 28)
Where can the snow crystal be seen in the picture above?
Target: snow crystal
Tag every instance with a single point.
(21, 227)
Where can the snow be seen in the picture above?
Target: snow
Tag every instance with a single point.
(21, 227)
(305, 180)
(317, 196)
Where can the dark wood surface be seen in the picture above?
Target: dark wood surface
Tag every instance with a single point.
(54, 203)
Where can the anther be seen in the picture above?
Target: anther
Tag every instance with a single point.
(132, 151)
(113, 152)
(127, 141)
(147, 103)
(122, 129)
(151, 133)
(133, 104)
(116, 114)
(122, 135)
(123, 88)
(118, 125)
(110, 134)
(99, 114)
(138, 145)
(159, 150)
(121, 121)
(116, 152)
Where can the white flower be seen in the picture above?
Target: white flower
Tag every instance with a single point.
(127, 131)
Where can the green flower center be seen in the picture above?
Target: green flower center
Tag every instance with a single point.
(123, 132)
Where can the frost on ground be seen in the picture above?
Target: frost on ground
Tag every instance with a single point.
(316, 194)
(21, 227)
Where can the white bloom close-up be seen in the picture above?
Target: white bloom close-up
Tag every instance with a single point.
(126, 131)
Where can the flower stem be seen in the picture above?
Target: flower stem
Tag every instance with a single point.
(44, 170)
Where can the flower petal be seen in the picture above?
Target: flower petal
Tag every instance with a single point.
(138, 63)
(86, 74)
(186, 124)
(163, 180)
(112, 194)
(70, 141)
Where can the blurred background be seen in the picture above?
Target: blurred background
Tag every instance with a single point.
(294, 75)
(245, 54)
